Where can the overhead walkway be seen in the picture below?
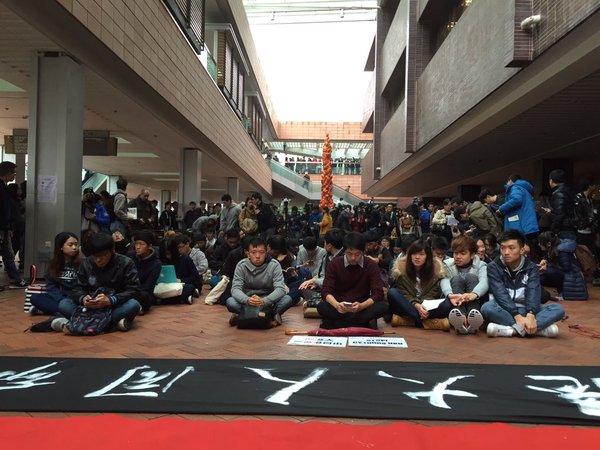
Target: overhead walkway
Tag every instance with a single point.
(310, 190)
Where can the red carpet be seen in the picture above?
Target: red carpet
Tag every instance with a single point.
(115, 432)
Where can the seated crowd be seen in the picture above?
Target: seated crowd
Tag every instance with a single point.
(443, 273)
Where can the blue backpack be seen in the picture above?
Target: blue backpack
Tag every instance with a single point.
(89, 322)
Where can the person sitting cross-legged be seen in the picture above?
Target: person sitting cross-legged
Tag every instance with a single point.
(352, 290)
(465, 285)
(105, 280)
(514, 282)
(258, 282)
(148, 266)
(417, 278)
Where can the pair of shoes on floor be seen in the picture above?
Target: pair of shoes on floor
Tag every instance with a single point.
(428, 324)
(277, 320)
(457, 320)
(496, 330)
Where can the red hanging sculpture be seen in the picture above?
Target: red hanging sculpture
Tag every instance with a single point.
(326, 177)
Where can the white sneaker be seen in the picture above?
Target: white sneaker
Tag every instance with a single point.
(475, 321)
(457, 320)
(496, 330)
(58, 324)
(550, 331)
(190, 300)
(124, 324)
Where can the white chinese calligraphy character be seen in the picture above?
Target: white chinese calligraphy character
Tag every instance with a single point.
(282, 396)
(436, 395)
(588, 402)
(148, 379)
(27, 379)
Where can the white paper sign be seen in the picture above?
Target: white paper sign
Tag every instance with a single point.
(395, 342)
(47, 189)
(432, 304)
(320, 341)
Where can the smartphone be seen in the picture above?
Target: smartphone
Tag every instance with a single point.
(347, 304)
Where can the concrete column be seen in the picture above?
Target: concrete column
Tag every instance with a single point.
(55, 149)
(233, 188)
(190, 178)
(20, 162)
(165, 196)
(111, 184)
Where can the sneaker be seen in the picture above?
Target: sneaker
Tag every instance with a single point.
(42, 327)
(59, 324)
(18, 284)
(190, 300)
(436, 324)
(457, 320)
(196, 293)
(402, 321)
(496, 330)
(233, 320)
(475, 321)
(278, 319)
(34, 311)
(124, 324)
(550, 331)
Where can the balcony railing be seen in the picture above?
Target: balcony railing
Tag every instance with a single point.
(190, 16)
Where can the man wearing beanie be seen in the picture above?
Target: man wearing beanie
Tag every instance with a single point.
(148, 266)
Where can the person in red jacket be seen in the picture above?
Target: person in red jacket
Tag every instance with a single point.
(352, 290)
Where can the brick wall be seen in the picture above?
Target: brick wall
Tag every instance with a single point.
(558, 18)
(143, 34)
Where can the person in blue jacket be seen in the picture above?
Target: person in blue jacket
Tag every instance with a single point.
(515, 308)
(61, 276)
(518, 210)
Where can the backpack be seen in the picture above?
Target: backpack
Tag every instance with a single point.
(584, 215)
(89, 322)
(586, 260)
(252, 318)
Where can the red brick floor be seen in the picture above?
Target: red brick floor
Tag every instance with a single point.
(201, 331)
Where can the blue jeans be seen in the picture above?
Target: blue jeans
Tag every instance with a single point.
(547, 315)
(280, 306)
(46, 303)
(127, 310)
(401, 306)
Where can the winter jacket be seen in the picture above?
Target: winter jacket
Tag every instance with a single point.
(266, 281)
(478, 268)
(199, 259)
(407, 287)
(219, 255)
(481, 216)
(148, 271)
(102, 217)
(562, 204)
(519, 208)
(186, 271)
(521, 288)
(119, 277)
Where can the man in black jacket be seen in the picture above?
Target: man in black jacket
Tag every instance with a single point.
(562, 204)
(8, 172)
(105, 280)
(264, 217)
(148, 266)
(223, 248)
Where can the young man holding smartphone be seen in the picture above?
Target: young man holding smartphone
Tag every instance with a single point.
(352, 290)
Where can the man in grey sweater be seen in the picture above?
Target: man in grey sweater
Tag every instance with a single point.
(258, 283)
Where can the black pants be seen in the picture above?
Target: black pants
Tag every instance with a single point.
(333, 319)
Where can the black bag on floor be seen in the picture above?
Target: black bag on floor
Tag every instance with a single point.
(252, 318)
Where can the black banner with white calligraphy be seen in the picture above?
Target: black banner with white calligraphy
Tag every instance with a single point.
(385, 390)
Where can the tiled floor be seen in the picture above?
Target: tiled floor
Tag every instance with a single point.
(201, 331)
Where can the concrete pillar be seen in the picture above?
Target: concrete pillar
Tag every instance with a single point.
(190, 178)
(233, 188)
(55, 149)
(20, 162)
(111, 184)
(165, 196)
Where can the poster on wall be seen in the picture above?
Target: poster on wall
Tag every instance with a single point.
(47, 189)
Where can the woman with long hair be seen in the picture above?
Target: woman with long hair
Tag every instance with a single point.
(417, 278)
(61, 276)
